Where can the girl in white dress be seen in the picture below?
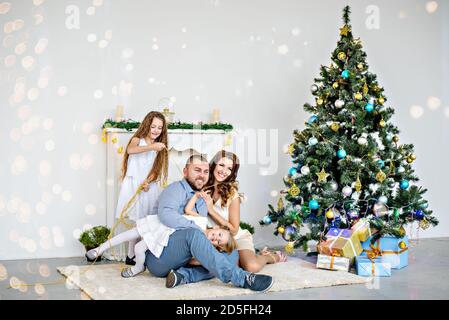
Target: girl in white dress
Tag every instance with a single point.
(223, 204)
(145, 163)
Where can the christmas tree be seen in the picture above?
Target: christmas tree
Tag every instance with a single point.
(347, 162)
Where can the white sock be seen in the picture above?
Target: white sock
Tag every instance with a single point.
(129, 235)
(140, 249)
(131, 245)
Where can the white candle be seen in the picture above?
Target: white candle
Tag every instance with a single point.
(119, 113)
(215, 115)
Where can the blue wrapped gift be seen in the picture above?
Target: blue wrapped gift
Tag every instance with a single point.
(367, 267)
(390, 249)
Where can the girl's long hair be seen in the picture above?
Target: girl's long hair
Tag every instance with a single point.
(227, 188)
(159, 171)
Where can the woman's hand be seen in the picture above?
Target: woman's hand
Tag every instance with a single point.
(207, 198)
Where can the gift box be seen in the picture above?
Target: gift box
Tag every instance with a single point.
(342, 243)
(332, 263)
(390, 249)
(372, 267)
(363, 230)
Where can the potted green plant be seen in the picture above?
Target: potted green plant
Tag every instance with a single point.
(94, 237)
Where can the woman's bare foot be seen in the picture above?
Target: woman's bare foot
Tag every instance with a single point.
(276, 257)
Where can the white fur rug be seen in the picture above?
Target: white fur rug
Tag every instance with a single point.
(104, 282)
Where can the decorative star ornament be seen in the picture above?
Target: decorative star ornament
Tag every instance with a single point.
(322, 175)
(345, 30)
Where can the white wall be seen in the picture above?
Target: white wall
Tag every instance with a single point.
(211, 53)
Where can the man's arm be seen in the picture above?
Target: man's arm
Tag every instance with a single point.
(169, 202)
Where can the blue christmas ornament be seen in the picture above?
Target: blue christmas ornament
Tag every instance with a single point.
(389, 137)
(424, 205)
(381, 163)
(266, 220)
(369, 107)
(313, 141)
(292, 171)
(341, 154)
(313, 204)
(312, 119)
(419, 214)
(404, 184)
(345, 74)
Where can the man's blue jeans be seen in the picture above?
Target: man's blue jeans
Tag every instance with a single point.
(185, 244)
(199, 273)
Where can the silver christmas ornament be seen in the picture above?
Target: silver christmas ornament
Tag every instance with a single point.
(339, 103)
(305, 170)
(347, 191)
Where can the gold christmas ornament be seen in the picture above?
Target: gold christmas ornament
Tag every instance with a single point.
(395, 138)
(358, 96)
(413, 157)
(345, 30)
(382, 123)
(335, 126)
(392, 167)
(330, 214)
(291, 149)
(360, 66)
(103, 138)
(322, 175)
(424, 224)
(294, 190)
(280, 204)
(341, 56)
(281, 229)
(409, 160)
(289, 247)
(381, 100)
(365, 88)
(358, 185)
(402, 245)
(335, 85)
(381, 176)
(319, 101)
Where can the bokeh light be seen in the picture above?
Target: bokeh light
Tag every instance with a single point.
(433, 103)
(62, 91)
(50, 145)
(90, 209)
(15, 134)
(66, 196)
(41, 46)
(44, 270)
(431, 6)
(19, 165)
(20, 48)
(3, 273)
(91, 37)
(33, 94)
(5, 7)
(10, 61)
(108, 35)
(102, 44)
(75, 161)
(47, 124)
(90, 11)
(97, 3)
(416, 111)
(296, 31)
(39, 289)
(45, 168)
(274, 193)
(28, 63)
(41, 208)
(98, 94)
(57, 189)
(127, 53)
(93, 139)
(283, 49)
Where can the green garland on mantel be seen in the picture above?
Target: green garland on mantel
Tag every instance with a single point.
(131, 124)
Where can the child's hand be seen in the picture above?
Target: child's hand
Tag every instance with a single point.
(145, 186)
(158, 146)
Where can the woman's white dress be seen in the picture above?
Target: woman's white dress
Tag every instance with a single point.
(243, 238)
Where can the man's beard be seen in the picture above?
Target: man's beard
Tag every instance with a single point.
(192, 185)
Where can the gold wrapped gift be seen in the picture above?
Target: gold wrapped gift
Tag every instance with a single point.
(342, 243)
(333, 263)
(363, 230)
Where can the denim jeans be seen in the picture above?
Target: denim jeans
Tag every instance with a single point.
(199, 273)
(185, 244)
